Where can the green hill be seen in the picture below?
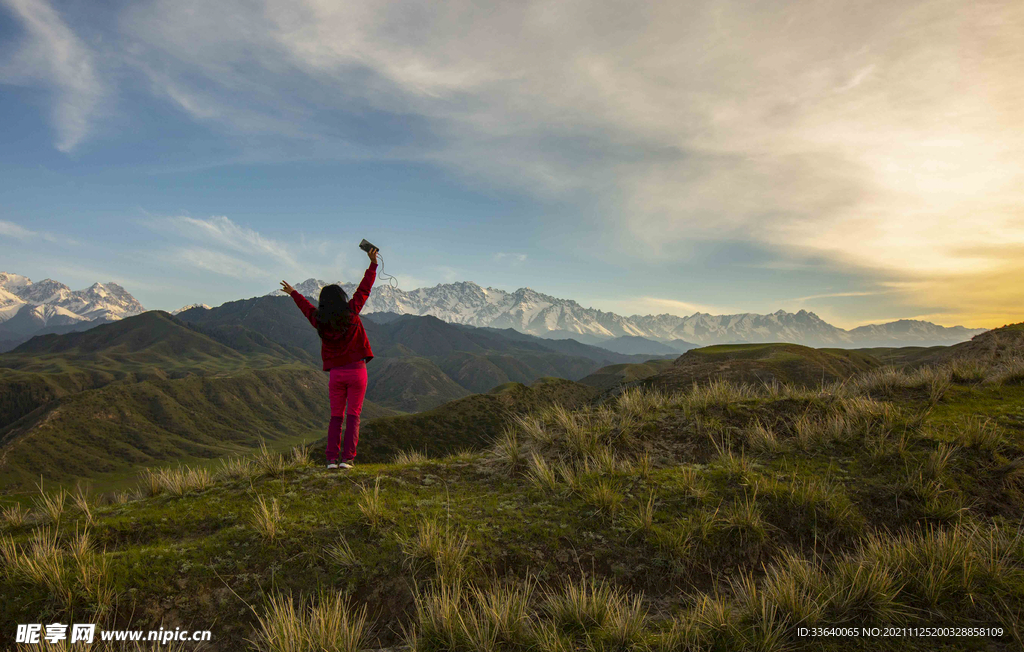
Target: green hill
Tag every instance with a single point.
(758, 364)
(121, 427)
(150, 346)
(614, 375)
(707, 520)
(904, 356)
(410, 384)
(989, 348)
(469, 423)
(150, 390)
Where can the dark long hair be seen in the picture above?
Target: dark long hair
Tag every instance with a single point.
(333, 314)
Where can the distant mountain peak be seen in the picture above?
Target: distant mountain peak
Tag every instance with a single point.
(27, 307)
(530, 311)
(190, 306)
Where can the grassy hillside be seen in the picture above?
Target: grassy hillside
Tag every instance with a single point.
(997, 346)
(150, 390)
(150, 346)
(790, 364)
(152, 340)
(719, 518)
(410, 384)
(124, 426)
(904, 356)
(469, 423)
(614, 375)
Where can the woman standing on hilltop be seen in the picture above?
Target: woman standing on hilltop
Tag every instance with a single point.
(345, 352)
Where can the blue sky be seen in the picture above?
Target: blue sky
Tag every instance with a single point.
(861, 160)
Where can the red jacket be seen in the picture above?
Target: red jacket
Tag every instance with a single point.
(339, 348)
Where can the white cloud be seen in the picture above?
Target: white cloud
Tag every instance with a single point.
(832, 295)
(51, 54)
(221, 245)
(219, 262)
(648, 305)
(13, 230)
(513, 258)
(226, 234)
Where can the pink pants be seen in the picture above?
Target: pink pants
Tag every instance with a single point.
(347, 387)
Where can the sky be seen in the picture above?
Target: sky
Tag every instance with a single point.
(863, 160)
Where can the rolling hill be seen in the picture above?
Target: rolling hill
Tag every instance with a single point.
(146, 390)
(759, 364)
(991, 347)
(121, 427)
(607, 378)
(469, 423)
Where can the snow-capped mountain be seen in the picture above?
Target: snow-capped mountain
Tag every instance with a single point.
(107, 301)
(540, 314)
(922, 333)
(28, 308)
(190, 307)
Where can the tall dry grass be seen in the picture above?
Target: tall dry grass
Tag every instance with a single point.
(327, 623)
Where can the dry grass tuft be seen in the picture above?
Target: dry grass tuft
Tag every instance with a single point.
(978, 433)
(371, 504)
(14, 515)
(83, 503)
(236, 468)
(328, 624)
(446, 551)
(409, 457)
(269, 463)
(542, 474)
(266, 518)
(301, 457)
(341, 552)
(52, 505)
(604, 496)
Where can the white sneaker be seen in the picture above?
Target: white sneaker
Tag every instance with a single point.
(344, 465)
(332, 465)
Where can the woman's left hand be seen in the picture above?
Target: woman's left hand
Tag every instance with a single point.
(287, 289)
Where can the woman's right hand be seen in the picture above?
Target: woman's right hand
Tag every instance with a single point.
(373, 255)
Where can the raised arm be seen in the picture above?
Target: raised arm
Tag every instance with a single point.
(304, 305)
(363, 291)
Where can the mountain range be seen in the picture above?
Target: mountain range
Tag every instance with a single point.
(28, 308)
(529, 311)
(420, 362)
(31, 308)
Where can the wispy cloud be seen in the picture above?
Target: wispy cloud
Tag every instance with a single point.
(223, 246)
(513, 258)
(219, 262)
(52, 55)
(15, 231)
(226, 234)
(832, 295)
(19, 232)
(648, 305)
